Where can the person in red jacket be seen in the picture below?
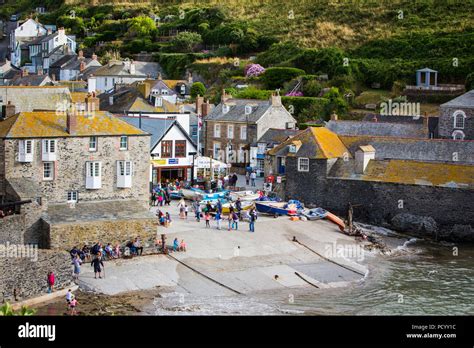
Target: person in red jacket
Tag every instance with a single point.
(51, 281)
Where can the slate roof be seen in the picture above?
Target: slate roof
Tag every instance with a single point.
(315, 143)
(393, 119)
(409, 172)
(276, 136)
(118, 68)
(465, 101)
(29, 98)
(130, 99)
(157, 127)
(401, 130)
(41, 124)
(31, 80)
(236, 111)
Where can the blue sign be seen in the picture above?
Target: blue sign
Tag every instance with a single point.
(173, 161)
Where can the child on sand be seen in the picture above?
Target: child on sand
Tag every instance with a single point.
(208, 219)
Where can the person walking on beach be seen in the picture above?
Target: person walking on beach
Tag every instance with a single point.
(219, 206)
(247, 178)
(238, 206)
(182, 245)
(69, 297)
(175, 244)
(51, 281)
(230, 221)
(72, 305)
(218, 220)
(77, 267)
(235, 221)
(252, 218)
(97, 262)
(207, 217)
(186, 211)
(253, 176)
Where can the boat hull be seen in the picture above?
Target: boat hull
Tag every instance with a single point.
(272, 208)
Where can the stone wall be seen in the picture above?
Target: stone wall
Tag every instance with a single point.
(70, 168)
(12, 228)
(26, 227)
(2, 169)
(66, 235)
(446, 123)
(29, 276)
(377, 202)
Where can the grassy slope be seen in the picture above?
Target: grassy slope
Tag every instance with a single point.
(344, 23)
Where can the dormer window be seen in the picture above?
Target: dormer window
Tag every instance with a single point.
(248, 109)
(225, 108)
(292, 148)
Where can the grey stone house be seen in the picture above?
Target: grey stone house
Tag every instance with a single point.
(456, 120)
(83, 173)
(233, 125)
(385, 182)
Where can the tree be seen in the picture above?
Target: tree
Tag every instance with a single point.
(336, 102)
(197, 88)
(186, 41)
(276, 77)
(141, 26)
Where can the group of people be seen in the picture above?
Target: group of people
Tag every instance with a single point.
(164, 219)
(160, 197)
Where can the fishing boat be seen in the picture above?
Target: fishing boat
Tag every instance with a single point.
(276, 208)
(215, 195)
(337, 220)
(244, 195)
(315, 214)
(246, 205)
(191, 194)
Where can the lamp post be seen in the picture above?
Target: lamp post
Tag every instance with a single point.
(192, 170)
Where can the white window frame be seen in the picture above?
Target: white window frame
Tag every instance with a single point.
(459, 115)
(225, 108)
(93, 175)
(23, 154)
(248, 109)
(459, 133)
(72, 196)
(230, 131)
(159, 101)
(216, 152)
(217, 130)
(121, 147)
(303, 167)
(49, 150)
(51, 177)
(243, 132)
(93, 140)
(124, 174)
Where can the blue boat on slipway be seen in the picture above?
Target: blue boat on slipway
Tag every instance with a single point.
(278, 208)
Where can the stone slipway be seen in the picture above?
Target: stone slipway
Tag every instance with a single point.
(237, 261)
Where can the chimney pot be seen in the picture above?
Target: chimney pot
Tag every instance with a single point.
(8, 110)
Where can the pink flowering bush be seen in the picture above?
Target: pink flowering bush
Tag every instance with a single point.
(253, 70)
(294, 94)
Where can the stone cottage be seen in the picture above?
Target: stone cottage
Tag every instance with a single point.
(86, 175)
(387, 180)
(235, 124)
(456, 120)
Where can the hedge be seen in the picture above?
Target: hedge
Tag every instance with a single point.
(276, 77)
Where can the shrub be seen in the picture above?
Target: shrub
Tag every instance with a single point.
(186, 41)
(327, 60)
(470, 81)
(197, 88)
(276, 77)
(305, 108)
(278, 53)
(141, 26)
(253, 70)
(312, 88)
(253, 93)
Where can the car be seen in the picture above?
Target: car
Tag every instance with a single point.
(14, 18)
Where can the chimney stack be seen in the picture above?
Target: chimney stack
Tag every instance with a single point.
(132, 68)
(71, 122)
(224, 96)
(426, 127)
(275, 100)
(24, 72)
(40, 70)
(334, 116)
(199, 103)
(92, 103)
(190, 77)
(362, 157)
(91, 84)
(8, 110)
(206, 108)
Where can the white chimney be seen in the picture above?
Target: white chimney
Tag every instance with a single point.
(111, 100)
(362, 157)
(91, 84)
(132, 68)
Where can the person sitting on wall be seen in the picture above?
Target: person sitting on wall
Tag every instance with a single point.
(132, 248)
(86, 252)
(74, 252)
(138, 246)
(95, 248)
